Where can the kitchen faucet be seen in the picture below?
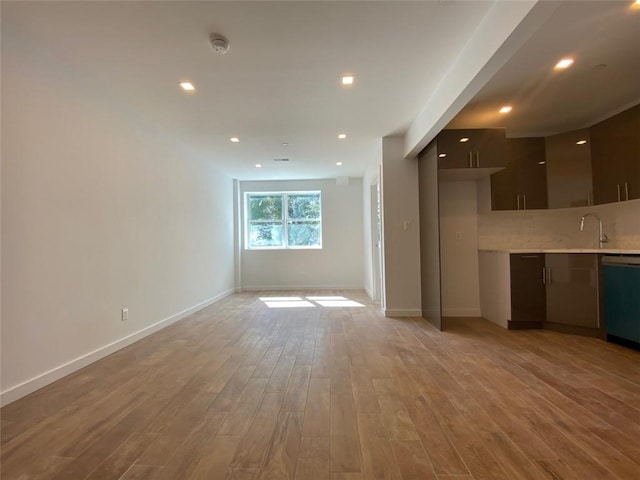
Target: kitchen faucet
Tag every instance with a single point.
(602, 238)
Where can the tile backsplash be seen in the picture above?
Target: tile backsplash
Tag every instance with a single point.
(560, 228)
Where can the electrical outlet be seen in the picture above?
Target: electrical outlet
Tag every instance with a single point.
(125, 314)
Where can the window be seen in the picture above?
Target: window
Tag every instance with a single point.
(283, 220)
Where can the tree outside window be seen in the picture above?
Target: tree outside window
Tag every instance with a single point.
(283, 220)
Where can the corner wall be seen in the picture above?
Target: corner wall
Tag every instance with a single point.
(99, 212)
(401, 227)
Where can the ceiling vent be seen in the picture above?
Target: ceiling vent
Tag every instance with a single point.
(219, 43)
(280, 159)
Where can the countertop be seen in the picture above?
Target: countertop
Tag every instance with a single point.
(613, 251)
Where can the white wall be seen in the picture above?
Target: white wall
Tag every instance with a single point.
(459, 249)
(340, 262)
(401, 229)
(99, 212)
(495, 287)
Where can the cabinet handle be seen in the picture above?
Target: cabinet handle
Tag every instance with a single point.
(529, 256)
(588, 198)
(518, 200)
(626, 190)
(618, 187)
(544, 276)
(549, 276)
(478, 159)
(470, 159)
(524, 202)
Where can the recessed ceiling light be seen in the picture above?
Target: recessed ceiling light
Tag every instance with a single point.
(234, 139)
(342, 136)
(348, 79)
(636, 4)
(442, 155)
(506, 109)
(258, 165)
(187, 86)
(284, 144)
(564, 63)
(581, 142)
(464, 139)
(542, 162)
(339, 164)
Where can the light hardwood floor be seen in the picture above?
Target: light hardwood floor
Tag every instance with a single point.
(243, 391)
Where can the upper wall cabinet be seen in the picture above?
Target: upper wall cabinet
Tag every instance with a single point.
(578, 67)
(615, 157)
(471, 153)
(568, 157)
(472, 148)
(583, 167)
(522, 184)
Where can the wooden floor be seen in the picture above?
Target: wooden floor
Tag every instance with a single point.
(244, 391)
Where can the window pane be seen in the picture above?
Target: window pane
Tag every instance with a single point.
(304, 206)
(265, 234)
(304, 234)
(265, 207)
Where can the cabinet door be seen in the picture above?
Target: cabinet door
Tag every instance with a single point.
(490, 148)
(615, 157)
(632, 159)
(569, 179)
(504, 184)
(532, 177)
(608, 166)
(528, 296)
(572, 289)
(458, 154)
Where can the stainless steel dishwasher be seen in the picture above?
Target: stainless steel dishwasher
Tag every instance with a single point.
(621, 297)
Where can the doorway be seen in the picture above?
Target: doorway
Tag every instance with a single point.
(376, 242)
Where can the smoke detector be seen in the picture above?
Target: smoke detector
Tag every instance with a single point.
(219, 43)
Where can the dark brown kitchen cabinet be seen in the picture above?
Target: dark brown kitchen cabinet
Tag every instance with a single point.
(615, 157)
(522, 185)
(572, 292)
(569, 178)
(528, 295)
(472, 148)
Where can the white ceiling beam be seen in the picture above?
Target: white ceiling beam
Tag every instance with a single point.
(505, 28)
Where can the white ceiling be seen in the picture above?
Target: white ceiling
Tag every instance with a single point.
(279, 82)
(546, 101)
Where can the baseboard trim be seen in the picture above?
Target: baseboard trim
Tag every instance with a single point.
(277, 288)
(461, 312)
(402, 313)
(29, 386)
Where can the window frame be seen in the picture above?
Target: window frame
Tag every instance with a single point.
(285, 220)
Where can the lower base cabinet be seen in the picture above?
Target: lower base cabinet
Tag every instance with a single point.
(572, 292)
(556, 291)
(528, 304)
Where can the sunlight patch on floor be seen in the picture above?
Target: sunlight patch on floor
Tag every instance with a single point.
(310, 302)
